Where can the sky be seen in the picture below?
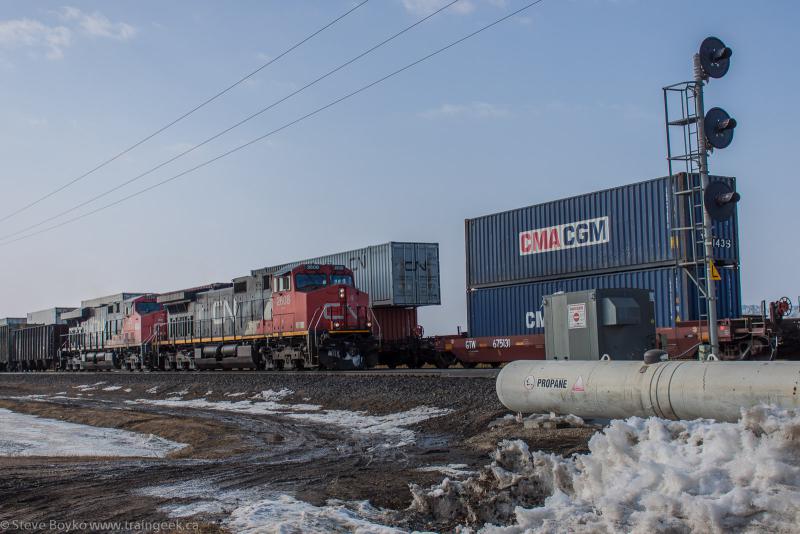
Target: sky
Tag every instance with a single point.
(560, 100)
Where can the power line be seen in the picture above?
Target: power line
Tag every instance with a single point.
(285, 126)
(180, 118)
(232, 127)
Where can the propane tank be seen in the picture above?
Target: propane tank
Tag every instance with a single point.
(667, 389)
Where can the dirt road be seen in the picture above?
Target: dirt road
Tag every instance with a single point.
(259, 444)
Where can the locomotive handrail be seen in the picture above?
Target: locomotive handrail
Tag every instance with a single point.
(375, 320)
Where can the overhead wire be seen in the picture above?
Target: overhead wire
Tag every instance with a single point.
(284, 126)
(172, 123)
(232, 127)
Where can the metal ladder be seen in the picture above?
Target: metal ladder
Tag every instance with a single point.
(683, 158)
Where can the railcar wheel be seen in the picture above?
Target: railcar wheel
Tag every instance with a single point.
(469, 365)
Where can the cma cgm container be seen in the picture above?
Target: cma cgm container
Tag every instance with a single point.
(517, 309)
(623, 228)
(393, 274)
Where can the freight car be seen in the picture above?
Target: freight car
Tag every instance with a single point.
(29, 347)
(307, 316)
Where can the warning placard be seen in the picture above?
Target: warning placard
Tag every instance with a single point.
(576, 315)
(714, 272)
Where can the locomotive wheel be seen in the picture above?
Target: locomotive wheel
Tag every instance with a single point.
(392, 364)
(469, 365)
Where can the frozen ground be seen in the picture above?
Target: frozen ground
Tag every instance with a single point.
(28, 435)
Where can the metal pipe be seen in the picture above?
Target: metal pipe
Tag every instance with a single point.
(670, 389)
(708, 243)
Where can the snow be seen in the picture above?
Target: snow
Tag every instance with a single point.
(391, 425)
(241, 394)
(243, 406)
(640, 476)
(88, 387)
(153, 390)
(387, 425)
(28, 435)
(450, 470)
(112, 388)
(259, 510)
(271, 395)
(284, 513)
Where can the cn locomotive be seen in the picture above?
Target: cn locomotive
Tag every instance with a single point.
(308, 316)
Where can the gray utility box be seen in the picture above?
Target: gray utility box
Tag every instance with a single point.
(586, 325)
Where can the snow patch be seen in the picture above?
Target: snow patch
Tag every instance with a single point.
(257, 510)
(88, 387)
(271, 395)
(29, 435)
(242, 394)
(244, 406)
(449, 470)
(153, 390)
(641, 475)
(127, 390)
(388, 425)
(112, 388)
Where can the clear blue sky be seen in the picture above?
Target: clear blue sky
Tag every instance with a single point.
(563, 100)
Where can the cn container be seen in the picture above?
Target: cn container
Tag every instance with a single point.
(624, 228)
(393, 274)
(517, 309)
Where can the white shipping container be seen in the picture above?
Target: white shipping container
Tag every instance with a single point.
(393, 274)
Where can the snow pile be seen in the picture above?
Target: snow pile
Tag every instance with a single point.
(28, 435)
(642, 475)
(259, 510)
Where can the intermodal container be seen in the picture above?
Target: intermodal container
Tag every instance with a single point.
(394, 323)
(393, 274)
(517, 309)
(624, 228)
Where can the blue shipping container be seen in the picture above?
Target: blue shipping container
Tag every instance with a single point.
(623, 228)
(515, 310)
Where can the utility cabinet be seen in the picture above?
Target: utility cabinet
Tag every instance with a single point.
(587, 325)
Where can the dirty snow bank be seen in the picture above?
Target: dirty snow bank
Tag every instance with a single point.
(642, 475)
(28, 435)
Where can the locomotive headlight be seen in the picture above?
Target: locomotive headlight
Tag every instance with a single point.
(337, 324)
(369, 324)
(341, 293)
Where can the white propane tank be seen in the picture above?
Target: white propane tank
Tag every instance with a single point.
(670, 389)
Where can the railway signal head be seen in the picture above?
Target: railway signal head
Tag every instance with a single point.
(720, 200)
(715, 57)
(719, 127)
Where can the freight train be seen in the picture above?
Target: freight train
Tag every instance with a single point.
(307, 316)
(357, 309)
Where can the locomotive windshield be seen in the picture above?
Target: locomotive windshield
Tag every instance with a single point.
(341, 279)
(143, 308)
(308, 281)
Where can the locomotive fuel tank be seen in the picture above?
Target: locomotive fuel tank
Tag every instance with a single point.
(666, 389)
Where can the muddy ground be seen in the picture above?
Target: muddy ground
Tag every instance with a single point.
(312, 461)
